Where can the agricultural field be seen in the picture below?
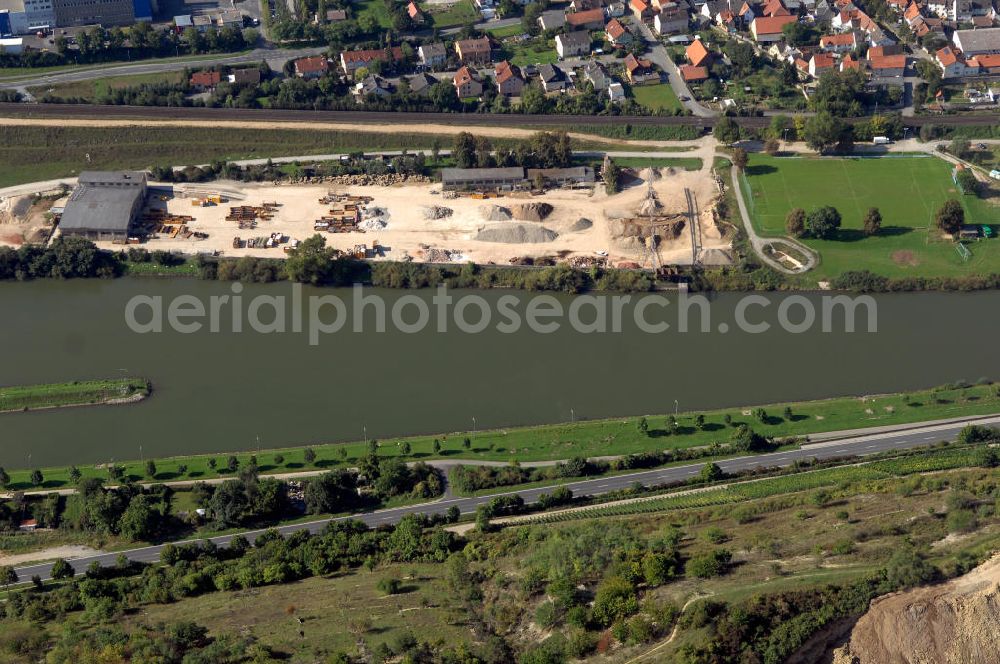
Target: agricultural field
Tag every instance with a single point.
(907, 190)
(656, 97)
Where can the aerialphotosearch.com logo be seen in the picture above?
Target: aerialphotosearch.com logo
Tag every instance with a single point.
(361, 312)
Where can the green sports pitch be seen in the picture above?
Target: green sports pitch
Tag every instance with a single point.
(907, 190)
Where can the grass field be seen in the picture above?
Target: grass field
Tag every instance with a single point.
(374, 8)
(92, 90)
(908, 190)
(591, 438)
(507, 31)
(460, 13)
(536, 52)
(31, 397)
(656, 97)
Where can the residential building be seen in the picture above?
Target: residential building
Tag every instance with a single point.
(849, 62)
(692, 74)
(887, 66)
(482, 179)
(104, 205)
(766, 29)
(351, 61)
(432, 55)
(839, 43)
(509, 79)
(671, 20)
(977, 42)
(597, 75)
(552, 19)
(617, 34)
(583, 5)
(572, 43)
(372, 85)
(642, 10)
(616, 92)
(467, 83)
(820, 63)
(697, 54)
(313, 67)
(616, 10)
(591, 19)
(986, 64)
(640, 71)
(953, 64)
(421, 84)
(474, 51)
(205, 80)
(553, 78)
(336, 15)
(246, 76)
(414, 12)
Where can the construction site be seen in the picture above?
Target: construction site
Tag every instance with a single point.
(662, 217)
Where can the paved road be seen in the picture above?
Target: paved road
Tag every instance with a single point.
(659, 56)
(914, 436)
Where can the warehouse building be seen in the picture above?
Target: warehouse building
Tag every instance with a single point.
(563, 177)
(96, 12)
(104, 205)
(501, 179)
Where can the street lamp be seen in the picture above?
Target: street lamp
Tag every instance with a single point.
(473, 424)
(572, 415)
(676, 406)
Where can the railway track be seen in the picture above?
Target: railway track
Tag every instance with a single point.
(404, 118)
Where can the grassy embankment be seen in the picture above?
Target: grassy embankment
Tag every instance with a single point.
(36, 153)
(906, 190)
(606, 437)
(16, 73)
(96, 89)
(76, 393)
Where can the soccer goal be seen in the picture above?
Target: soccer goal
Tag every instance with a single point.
(963, 252)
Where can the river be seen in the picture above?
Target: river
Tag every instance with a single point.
(225, 391)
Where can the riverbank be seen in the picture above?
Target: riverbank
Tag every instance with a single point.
(596, 438)
(115, 391)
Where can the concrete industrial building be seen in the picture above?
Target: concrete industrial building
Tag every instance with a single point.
(91, 12)
(483, 178)
(21, 17)
(104, 205)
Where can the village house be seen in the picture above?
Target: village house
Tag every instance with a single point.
(692, 74)
(202, 81)
(314, 67)
(616, 10)
(467, 83)
(421, 84)
(642, 10)
(640, 71)
(591, 19)
(849, 62)
(474, 51)
(553, 78)
(985, 64)
(572, 43)
(671, 21)
(616, 92)
(953, 64)
(597, 75)
(509, 80)
(351, 61)
(697, 54)
(552, 19)
(766, 29)
(840, 43)
(887, 66)
(414, 12)
(246, 76)
(617, 35)
(820, 63)
(432, 55)
(372, 85)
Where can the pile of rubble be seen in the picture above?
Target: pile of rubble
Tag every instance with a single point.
(435, 255)
(437, 212)
(532, 211)
(364, 180)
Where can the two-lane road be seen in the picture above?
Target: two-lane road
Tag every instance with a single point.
(910, 436)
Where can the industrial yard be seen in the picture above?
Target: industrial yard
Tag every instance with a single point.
(424, 223)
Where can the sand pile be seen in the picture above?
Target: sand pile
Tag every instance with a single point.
(516, 234)
(581, 224)
(495, 213)
(532, 211)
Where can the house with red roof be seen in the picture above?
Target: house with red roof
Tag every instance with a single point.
(591, 19)
(692, 74)
(697, 54)
(509, 79)
(205, 80)
(887, 66)
(849, 62)
(642, 10)
(840, 43)
(313, 67)
(617, 34)
(467, 83)
(351, 61)
(414, 12)
(640, 71)
(820, 63)
(766, 29)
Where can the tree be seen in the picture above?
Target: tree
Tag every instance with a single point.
(464, 150)
(707, 565)
(740, 158)
(711, 472)
(726, 131)
(437, 446)
(311, 262)
(959, 146)
(967, 181)
(62, 570)
(745, 439)
(795, 222)
(4, 478)
(309, 455)
(823, 131)
(37, 478)
(872, 222)
(405, 448)
(699, 422)
(151, 469)
(823, 222)
(614, 599)
(643, 425)
(74, 474)
(140, 519)
(7, 576)
(331, 492)
(611, 174)
(467, 443)
(950, 216)
(772, 146)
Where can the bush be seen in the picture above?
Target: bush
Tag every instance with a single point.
(389, 586)
(710, 564)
